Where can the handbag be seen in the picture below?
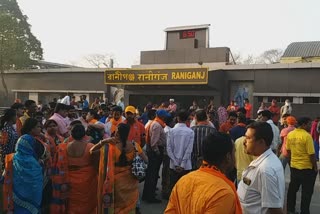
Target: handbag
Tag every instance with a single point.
(139, 166)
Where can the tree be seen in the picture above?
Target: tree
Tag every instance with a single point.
(239, 59)
(271, 56)
(249, 60)
(267, 57)
(236, 58)
(100, 60)
(19, 48)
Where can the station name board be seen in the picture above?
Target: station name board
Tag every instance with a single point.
(180, 76)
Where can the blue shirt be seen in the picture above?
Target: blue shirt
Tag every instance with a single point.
(103, 119)
(85, 104)
(237, 131)
(144, 118)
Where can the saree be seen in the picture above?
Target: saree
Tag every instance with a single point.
(27, 177)
(53, 143)
(83, 184)
(117, 187)
(69, 139)
(74, 183)
(8, 184)
(60, 180)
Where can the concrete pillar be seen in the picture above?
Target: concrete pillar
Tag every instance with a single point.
(34, 96)
(126, 98)
(77, 96)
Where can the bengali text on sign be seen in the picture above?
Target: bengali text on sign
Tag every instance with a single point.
(156, 76)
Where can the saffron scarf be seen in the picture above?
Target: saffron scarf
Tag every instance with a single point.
(116, 185)
(114, 124)
(157, 119)
(102, 177)
(60, 180)
(93, 121)
(215, 172)
(108, 185)
(53, 144)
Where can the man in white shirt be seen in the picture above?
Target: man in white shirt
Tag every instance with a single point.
(266, 116)
(262, 187)
(179, 148)
(286, 108)
(165, 179)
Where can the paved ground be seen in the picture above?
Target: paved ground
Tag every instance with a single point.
(314, 207)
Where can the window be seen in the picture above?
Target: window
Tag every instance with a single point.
(271, 98)
(311, 100)
(23, 96)
(280, 99)
(260, 99)
(297, 100)
(283, 99)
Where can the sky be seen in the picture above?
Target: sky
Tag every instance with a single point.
(71, 29)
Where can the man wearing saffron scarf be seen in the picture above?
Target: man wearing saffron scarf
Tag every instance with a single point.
(137, 130)
(116, 119)
(262, 187)
(156, 140)
(208, 190)
(231, 122)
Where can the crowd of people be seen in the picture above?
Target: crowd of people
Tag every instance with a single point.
(74, 157)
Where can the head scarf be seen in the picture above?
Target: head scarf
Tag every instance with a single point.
(291, 120)
(27, 176)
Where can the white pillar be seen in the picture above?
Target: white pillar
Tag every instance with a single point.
(33, 96)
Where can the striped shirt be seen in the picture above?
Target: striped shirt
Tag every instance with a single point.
(200, 132)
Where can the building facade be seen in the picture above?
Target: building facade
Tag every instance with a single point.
(186, 70)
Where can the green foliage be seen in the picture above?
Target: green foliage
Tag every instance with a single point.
(18, 46)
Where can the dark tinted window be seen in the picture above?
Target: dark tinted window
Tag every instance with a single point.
(311, 100)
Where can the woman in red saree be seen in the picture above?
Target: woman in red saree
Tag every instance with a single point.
(117, 186)
(74, 176)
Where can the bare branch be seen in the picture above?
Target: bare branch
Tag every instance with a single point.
(271, 56)
(99, 60)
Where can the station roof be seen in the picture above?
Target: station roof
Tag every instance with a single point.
(303, 49)
(45, 64)
(188, 27)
